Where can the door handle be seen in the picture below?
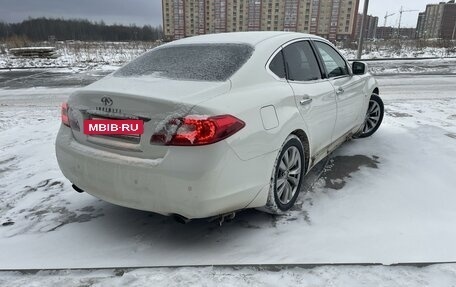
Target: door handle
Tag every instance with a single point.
(305, 101)
(340, 91)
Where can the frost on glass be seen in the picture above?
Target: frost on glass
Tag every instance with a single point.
(201, 62)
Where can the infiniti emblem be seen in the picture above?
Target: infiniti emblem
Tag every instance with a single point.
(107, 101)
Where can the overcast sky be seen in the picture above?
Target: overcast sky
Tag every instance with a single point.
(380, 7)
(141, 12)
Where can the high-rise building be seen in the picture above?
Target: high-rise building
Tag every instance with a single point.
(438, 21)
(332, 19)
(370, 31)
(448, 25)
(420, 24)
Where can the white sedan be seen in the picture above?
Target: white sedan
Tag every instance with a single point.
(209, 125)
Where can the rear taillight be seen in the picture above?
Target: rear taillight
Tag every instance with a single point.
(197, 130)
(64, 113)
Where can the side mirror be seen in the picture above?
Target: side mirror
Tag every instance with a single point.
(359, 68)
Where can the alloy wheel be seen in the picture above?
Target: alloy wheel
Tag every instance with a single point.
(289, 175)
(372, 117)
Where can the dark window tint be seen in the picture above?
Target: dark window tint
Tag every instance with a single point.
(201, 62)
(334, 63)
(277, 65)
(301, 62)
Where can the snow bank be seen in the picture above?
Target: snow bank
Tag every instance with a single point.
(406, 52)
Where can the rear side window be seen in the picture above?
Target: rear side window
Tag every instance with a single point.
(277, 66)
(334, 63)
(200, 62)
(301, 62)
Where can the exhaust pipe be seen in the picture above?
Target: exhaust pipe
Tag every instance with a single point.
(181, 219)
(77, 188)
(227, 217)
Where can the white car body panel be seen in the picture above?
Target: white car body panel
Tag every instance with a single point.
(349, 104)
(233, 174)
(320, 113)
(194, 182)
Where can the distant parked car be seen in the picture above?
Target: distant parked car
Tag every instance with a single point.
(213, 124)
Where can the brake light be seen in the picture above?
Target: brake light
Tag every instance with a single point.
(64, 113)
(197, 130)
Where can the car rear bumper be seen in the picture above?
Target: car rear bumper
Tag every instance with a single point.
(194, 182)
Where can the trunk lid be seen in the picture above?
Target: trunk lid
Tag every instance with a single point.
(153, 100)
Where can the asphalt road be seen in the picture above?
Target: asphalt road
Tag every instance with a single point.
(48, 89)
(52, 78)
(392, 87)
(413, 87)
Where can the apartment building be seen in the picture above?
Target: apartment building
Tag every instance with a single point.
(370, 31)
(332, 19)
(438, 21)
(448, 25)
(420, 24)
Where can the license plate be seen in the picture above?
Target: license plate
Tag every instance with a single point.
(113, 127)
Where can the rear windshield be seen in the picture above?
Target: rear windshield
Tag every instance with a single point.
(201, 62)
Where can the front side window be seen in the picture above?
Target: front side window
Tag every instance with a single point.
(198, 62)
(334, 63)
(301, 62)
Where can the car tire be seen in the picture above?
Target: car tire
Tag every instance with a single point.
(287, 176)
(374, 117)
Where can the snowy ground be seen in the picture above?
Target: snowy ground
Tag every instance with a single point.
(351, 276)
(413, 67)
(386, 199)
(82, 56)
